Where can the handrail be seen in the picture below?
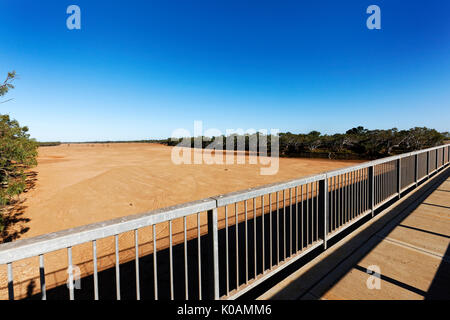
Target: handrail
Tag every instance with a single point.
(26, 248)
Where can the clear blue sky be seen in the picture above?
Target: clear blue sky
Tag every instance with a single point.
(141, 69)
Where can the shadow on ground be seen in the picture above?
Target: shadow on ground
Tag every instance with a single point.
(14, 222)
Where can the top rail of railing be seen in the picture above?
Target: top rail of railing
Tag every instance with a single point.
(246, 194)
(26, 248)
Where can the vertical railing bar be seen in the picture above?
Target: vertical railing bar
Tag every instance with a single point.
(317, 210)
(325, 211)
(155, 264)
(381, 182)
(278, 228)
(186, 271)
(215, 247)
(350, 195)
(94, 258)
(375, 185)
(345, 187)
(290, 221)
(271, 231)
(363, 190)
(10, 282)
(71, 288)
(358, 191)
(237, 243)
(335, 195)
(338, 208)
(312, 213)
(116, 239)
(302, 221)
(171, 260)
(332, 216)
(296, 219)
(42, 277)
(399, 175)
(263, 237)
(379, 190)
(227, 265)
(437, 159)
(136, 248)
(307, 215)
(284, 225)
(246, 243)
(356, 194)
(366, 194)
(313, 216)
(367, 189)
(254, 235)
(199, 257)
(343, 199)
(386, 181)
(333, 203)
(348, 205)
(353, 194)
(360, 197)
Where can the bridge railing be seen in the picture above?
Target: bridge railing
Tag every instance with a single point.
(227, 244)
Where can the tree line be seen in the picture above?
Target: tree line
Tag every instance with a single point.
(355, 143)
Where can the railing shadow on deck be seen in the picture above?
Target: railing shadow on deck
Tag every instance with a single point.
(336, 261)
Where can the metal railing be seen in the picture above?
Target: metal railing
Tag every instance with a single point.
(219, 247)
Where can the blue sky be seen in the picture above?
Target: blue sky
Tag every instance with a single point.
(141, 69)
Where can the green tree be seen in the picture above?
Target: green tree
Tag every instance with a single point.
(17, 153)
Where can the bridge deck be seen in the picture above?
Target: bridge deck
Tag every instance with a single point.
(411, 252)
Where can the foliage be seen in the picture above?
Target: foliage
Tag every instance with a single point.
(7, 84)
(17, 153)
(356, 143)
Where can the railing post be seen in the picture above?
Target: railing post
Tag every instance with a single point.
(399, 176)
(372, 189)
(212, 256)
(448, 155)
(428, 164)
(437, 158)
(443, 156)
(323, 200)
(416, 169)
(10, 282)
